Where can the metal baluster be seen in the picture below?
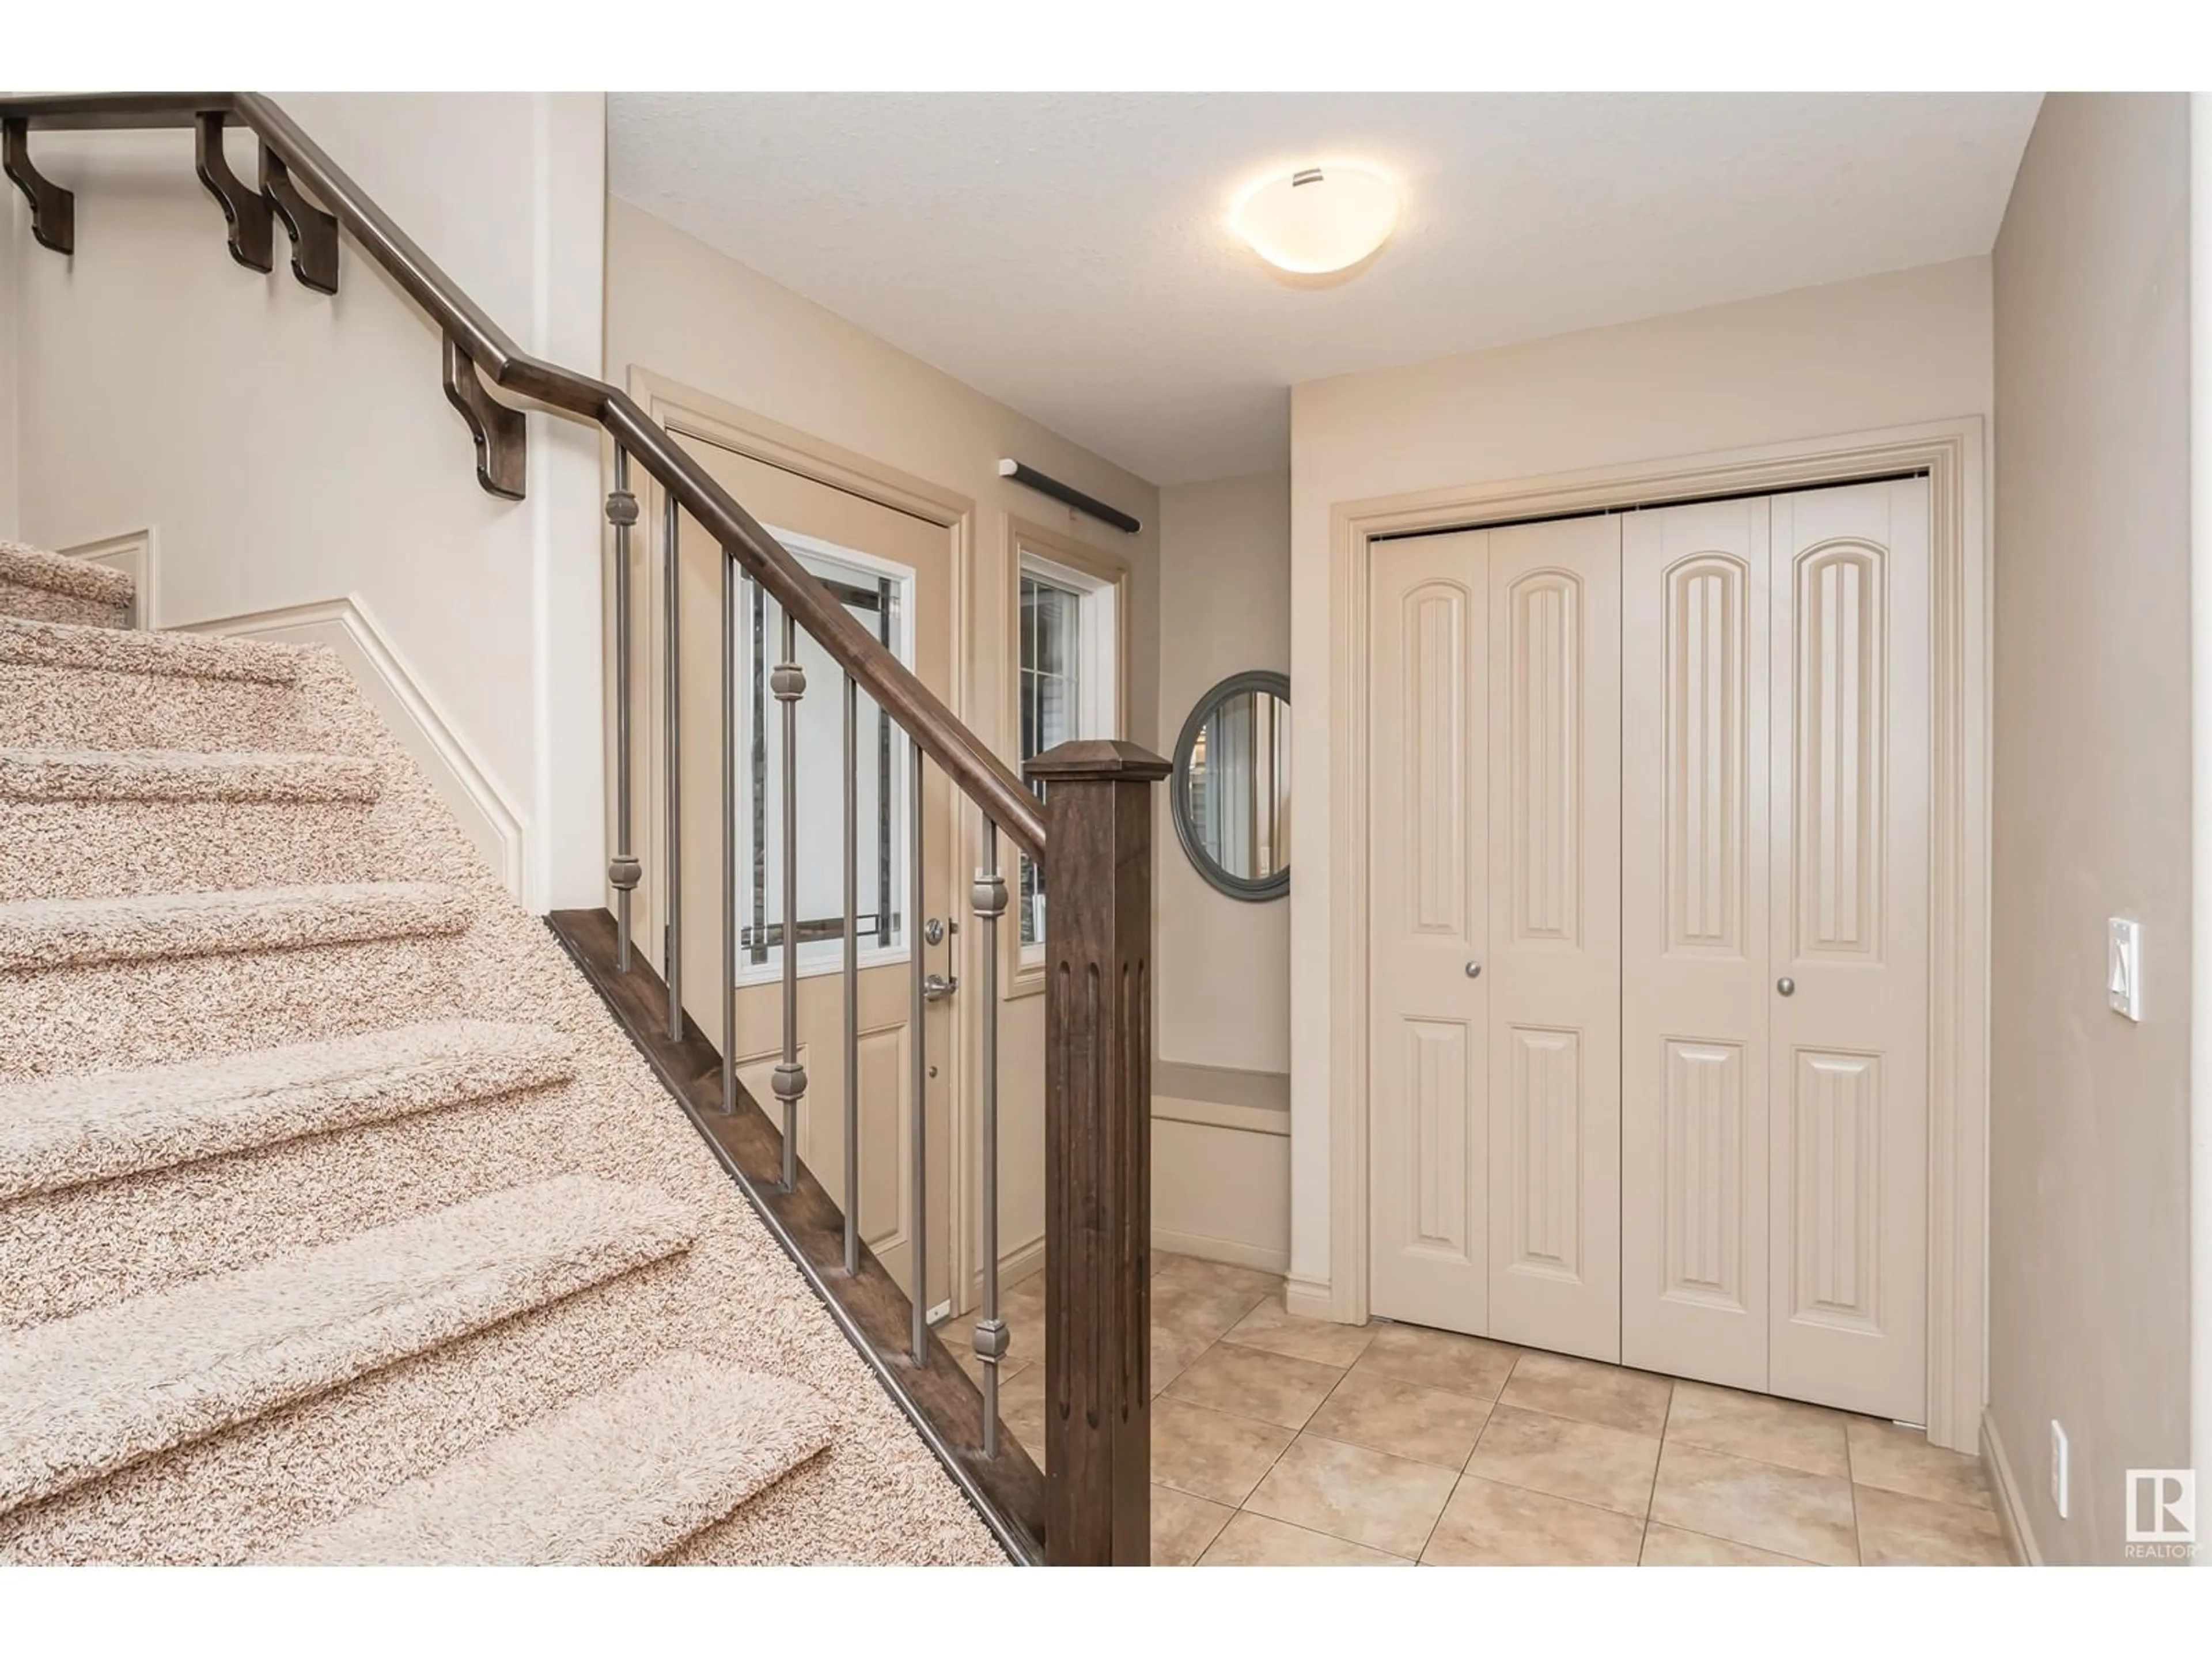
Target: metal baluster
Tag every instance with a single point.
(989, 901)
(789, 685)
(673, 692)
(729, 833)
(917, 1177)
(622, 869)
(852, 978)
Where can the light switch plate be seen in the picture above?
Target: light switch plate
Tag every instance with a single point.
(2123, 967)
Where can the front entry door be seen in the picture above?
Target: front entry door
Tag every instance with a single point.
(895, 572)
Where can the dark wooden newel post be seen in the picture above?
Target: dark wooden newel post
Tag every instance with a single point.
(1098, 1152)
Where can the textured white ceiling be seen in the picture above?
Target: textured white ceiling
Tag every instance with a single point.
(1067, 253)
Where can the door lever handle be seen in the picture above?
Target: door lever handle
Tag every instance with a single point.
(935, 987)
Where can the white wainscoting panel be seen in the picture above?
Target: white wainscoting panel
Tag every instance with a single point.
(487, 816)
(1221, 1164)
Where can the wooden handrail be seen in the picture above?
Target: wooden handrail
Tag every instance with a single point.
(979, 774)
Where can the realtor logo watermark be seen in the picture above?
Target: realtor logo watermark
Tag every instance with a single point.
(2162, 1515)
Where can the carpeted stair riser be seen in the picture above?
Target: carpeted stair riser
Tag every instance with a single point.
(85, 1396)
(151, 1014)
(87, 850)
(183, 774)
(161, 655)
(39, 604)
(77, 708)
(46, 935)
(92, 688)
(91, 823)
(619, 1477)
(228, 1212)
(59, 1132)
(264, 1482)
(43, 587)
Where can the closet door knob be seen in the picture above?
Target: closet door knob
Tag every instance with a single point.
(1787, 987)
(1475, 971)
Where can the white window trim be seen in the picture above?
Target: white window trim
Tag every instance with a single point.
(1099, 645)
(826, 957)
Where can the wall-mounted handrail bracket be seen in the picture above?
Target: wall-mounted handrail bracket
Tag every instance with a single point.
(314, 233)
(245, 213)
(53, 209)
(503, 449)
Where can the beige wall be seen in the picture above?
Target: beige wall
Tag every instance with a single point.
(678, 308)
(10, 321)
(2200, 493)
(290, 449)
(2089, 1148)
(1884, 350)
(1224, 966)
(1220, 1125)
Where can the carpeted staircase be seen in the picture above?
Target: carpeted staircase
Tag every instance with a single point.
(338, 1221)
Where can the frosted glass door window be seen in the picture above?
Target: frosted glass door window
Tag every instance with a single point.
(878, 603)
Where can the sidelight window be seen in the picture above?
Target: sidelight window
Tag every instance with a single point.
(1069, 650)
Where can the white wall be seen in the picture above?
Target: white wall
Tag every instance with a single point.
(2089, 1274)
(1225, 965)
(288, 448)
(1884, 350)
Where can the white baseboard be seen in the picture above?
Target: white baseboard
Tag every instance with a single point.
(1023, 1262)
(491, 821)
(1017, 1265)
(1308, 1299)
(1234, 1252)
(2012, 1515)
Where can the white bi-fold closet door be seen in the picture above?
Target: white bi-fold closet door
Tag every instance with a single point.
(1647, 895)
(1774, 989)
(1494, 948)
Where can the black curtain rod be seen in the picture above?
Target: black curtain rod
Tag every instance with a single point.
(1068, 496)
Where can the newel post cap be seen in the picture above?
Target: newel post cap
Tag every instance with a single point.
(1099, 760)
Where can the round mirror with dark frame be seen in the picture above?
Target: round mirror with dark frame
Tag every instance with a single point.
(1231, 787)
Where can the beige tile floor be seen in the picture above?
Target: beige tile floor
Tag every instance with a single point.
(1279, 1441)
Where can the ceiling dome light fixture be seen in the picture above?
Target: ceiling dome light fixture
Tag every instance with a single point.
(1319, 219)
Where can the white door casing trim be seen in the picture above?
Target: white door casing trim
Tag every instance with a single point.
(488, 814)
(1951, 453)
